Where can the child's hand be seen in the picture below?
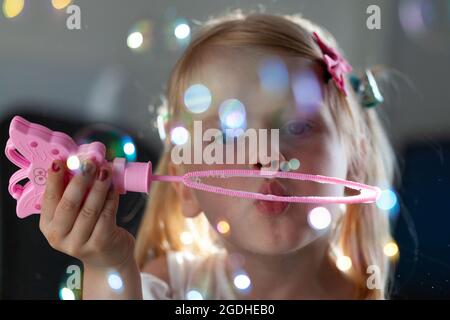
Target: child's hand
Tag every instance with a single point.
(86, 231)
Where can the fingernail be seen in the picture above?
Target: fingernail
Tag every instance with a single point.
(87, 168)
(102, 175)
(55, 167)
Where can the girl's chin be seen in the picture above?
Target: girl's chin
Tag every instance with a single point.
(277, 243)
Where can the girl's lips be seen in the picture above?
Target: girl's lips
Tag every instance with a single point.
(272, 207)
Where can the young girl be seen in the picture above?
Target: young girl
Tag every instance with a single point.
(267, 72)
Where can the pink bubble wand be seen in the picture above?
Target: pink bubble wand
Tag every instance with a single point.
(33, 147)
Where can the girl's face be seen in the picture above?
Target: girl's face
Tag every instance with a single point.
(277, 92)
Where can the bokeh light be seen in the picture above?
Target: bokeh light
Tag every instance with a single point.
(319, 218)
(117, 142)
(412, 16)
(426, 23)
(223, 227)
(284, 166)
(390, 249)
(66, 294)
(140, 36)
(273, 76)
(135, 40)
(294, 164)
(197, 98)
(241, 281)
(179, 135)
(186, 238)
(307, 92)
(115, 281)
(60, 4)
(343, 263)
(182, 31)
(12, 8)
(73, 163)
(177, 30)
(194, 295)
(387, 200)
(129, 148)
(232, 116)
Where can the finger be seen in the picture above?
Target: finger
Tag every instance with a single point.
(69, 206)
(106, 223)
(93, 205)
(54, 189)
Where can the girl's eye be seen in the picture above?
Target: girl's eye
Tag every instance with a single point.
(296, 128)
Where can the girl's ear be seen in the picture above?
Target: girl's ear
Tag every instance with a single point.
(188, 201)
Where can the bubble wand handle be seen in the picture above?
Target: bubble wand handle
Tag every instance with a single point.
(33, 147)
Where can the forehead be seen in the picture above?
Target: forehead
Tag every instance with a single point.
(264, 82)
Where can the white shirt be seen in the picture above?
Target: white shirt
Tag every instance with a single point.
(206, 275)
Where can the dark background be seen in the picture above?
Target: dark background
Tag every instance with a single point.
(72, 79)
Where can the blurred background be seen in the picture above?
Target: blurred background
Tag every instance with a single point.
(104, 82)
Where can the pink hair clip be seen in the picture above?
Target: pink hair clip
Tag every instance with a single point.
(337, 66)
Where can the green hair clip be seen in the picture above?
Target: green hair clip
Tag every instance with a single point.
(367, 89)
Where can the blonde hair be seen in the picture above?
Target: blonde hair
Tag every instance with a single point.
(362, 231)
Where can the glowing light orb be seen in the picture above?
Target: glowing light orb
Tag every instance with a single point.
(284, 166)
(182, 31)
(390, 249)
(319, 218)
(66, 294)
(179, 135)
(197, 98)
(232, 116)
(242, 281)
(194, 295)
(273, 75)
(294, 164)
(129, 148)
(60, 4)
(223, 227)
(12, 8)
(115, 281)
(73, 163)
(387, 200)
(140, 36)
(344, 263)
(307, 92)
(135, 40)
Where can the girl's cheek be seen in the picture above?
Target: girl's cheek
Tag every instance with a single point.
(311, 154)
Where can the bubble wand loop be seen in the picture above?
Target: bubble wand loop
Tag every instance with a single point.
(33, 147)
